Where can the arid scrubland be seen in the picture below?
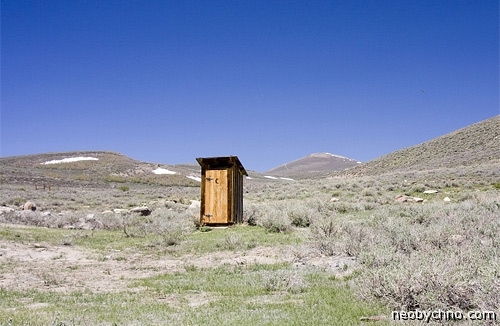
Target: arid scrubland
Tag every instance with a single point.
(312, 251)
(426, 253)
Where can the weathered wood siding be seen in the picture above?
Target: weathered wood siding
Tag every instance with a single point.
(221, 190)
(216, 196)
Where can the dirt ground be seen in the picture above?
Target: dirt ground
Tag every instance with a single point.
(47, 267)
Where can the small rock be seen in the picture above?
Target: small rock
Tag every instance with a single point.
(418, 199)
(120, 211)
(402, 198)
(29, 206)
(334, 199)
(142, 210)
(446, 199)
(107, 212)
(431, 192)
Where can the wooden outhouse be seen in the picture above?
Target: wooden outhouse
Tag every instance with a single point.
(221, 190)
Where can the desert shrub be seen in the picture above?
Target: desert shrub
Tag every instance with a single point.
(252, 213)
(172, 227)
(367, 192)
(354, 186)
(433, 256)
(368, 206)
(17, 201)
(136, 226)
(283, 280)
(193, 214)
(111, 221)
(282, 215)
(274, 219)
(346, 207)
(336, 193)
(36, 218)
(409, 284)
(331, 235)
(417, 188)
(325, 233)
(175, 206)
(300, 215)
(7, 217)
(354, 238)
(72, 220)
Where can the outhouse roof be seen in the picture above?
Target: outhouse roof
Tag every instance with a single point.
(221, 162)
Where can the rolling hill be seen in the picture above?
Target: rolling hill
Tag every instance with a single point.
(474, 145)
(94, 169)
(91, 169)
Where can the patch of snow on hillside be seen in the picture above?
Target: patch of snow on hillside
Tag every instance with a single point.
(283, 178)
(194, 178)
(163, 171)
(336, 155)
(71, 159)
(269, 177)
(249, 178)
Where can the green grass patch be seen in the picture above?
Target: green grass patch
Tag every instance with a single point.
(238, 237)
(276, 294)
(34, 234)
(243, 236)
(79, 308)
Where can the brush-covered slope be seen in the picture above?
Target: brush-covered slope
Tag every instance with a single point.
(474, 145)
(91, 168)
(317, 164)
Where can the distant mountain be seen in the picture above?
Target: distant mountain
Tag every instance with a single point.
(474, 145)
(313, 165)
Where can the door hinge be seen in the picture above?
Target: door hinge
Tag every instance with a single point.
(209, 179)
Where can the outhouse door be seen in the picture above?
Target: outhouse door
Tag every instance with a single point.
(216, 196)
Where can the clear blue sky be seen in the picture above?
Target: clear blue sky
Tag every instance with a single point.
(269, 81)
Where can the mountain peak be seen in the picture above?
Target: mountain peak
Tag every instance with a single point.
(326, 155)
(315, 164)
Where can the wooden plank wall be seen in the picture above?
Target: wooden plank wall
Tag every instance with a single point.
(233, 197)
